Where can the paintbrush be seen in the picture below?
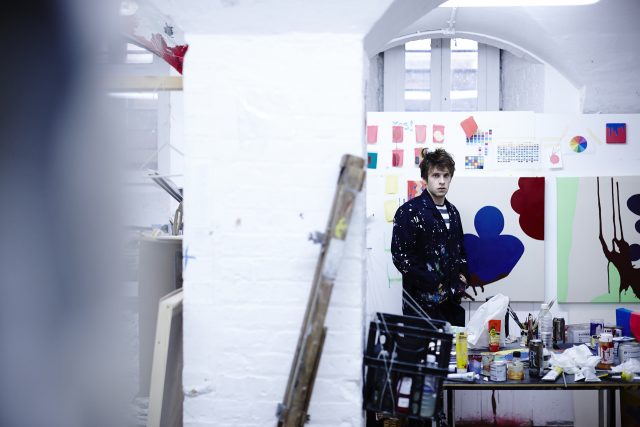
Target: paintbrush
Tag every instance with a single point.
(514, 316)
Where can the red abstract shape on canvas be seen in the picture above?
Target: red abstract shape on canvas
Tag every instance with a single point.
(421, 134)
(372, 134)
(528, 202)
(397, 158)
(469, 126)
(397, 134)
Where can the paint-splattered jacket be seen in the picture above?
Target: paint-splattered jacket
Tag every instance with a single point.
(426, 253)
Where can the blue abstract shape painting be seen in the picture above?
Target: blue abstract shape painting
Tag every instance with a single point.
(490, 255)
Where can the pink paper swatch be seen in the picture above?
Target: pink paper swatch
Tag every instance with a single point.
(438, 133)
(421, 134)
(372, 134)
(397, 134)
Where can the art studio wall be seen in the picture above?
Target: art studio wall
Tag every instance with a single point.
(508, 153)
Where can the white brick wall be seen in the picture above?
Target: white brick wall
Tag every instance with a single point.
(267, 119)
(522, 84)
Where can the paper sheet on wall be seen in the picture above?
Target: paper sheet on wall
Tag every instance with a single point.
(517, 155)
(390, 208)
(391, 184)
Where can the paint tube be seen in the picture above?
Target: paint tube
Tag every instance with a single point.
(553, 374)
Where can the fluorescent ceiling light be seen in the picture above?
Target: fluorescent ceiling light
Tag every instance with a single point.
(507, 3)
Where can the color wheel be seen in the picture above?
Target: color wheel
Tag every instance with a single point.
(578, 144)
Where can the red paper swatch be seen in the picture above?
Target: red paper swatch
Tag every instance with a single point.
(469, 126)
(397, 158)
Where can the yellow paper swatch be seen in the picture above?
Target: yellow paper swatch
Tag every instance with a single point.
(390, 208)
(391, 185)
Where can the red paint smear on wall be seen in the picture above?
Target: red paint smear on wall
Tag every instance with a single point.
(528, 202)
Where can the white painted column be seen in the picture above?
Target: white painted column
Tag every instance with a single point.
(267, 119)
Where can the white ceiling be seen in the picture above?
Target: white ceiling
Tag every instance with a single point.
(596, 47)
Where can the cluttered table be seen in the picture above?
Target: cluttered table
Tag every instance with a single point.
(605, 382)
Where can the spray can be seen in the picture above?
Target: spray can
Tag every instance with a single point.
(558, 330)
(462, 352)
(536, 358)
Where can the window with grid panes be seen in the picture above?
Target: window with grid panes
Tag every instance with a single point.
(417, 90)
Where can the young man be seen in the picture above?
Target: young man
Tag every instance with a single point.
(427, 245)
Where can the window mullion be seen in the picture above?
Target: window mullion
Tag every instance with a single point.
(488, 78)
(394, 79)
(440, 74)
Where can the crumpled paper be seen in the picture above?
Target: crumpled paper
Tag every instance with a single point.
(631, 365)
(575, 359)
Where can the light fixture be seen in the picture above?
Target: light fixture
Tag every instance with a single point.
(515, 3)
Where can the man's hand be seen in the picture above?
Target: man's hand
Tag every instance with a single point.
(472, 286)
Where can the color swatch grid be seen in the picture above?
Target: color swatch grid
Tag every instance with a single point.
(481, 139)
(518, 153)
(474, 162)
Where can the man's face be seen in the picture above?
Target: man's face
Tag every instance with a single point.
(438, 179)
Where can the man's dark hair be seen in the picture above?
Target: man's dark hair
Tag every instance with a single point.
(436, 158)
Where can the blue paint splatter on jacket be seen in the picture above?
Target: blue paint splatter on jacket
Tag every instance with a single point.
(427, 253)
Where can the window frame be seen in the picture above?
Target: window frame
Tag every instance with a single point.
(488, 75)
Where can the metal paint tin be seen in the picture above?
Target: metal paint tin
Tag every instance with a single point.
(487, 360)
(536, 358)
(498, 371)
(628, 350)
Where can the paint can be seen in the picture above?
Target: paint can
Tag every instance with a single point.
(487, 360)
(536, 358)
(558, 330)
(605, 349)
(475, 363)
(498, 371)
(628, 350)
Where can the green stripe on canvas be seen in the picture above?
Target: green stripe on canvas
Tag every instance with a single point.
(567, 190)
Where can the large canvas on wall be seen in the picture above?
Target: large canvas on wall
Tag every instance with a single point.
(599, 239)
(503, 222)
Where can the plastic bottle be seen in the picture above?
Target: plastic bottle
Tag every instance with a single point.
(429, 390)
(545, 326)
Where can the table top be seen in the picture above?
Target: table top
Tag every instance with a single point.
(537, 384)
